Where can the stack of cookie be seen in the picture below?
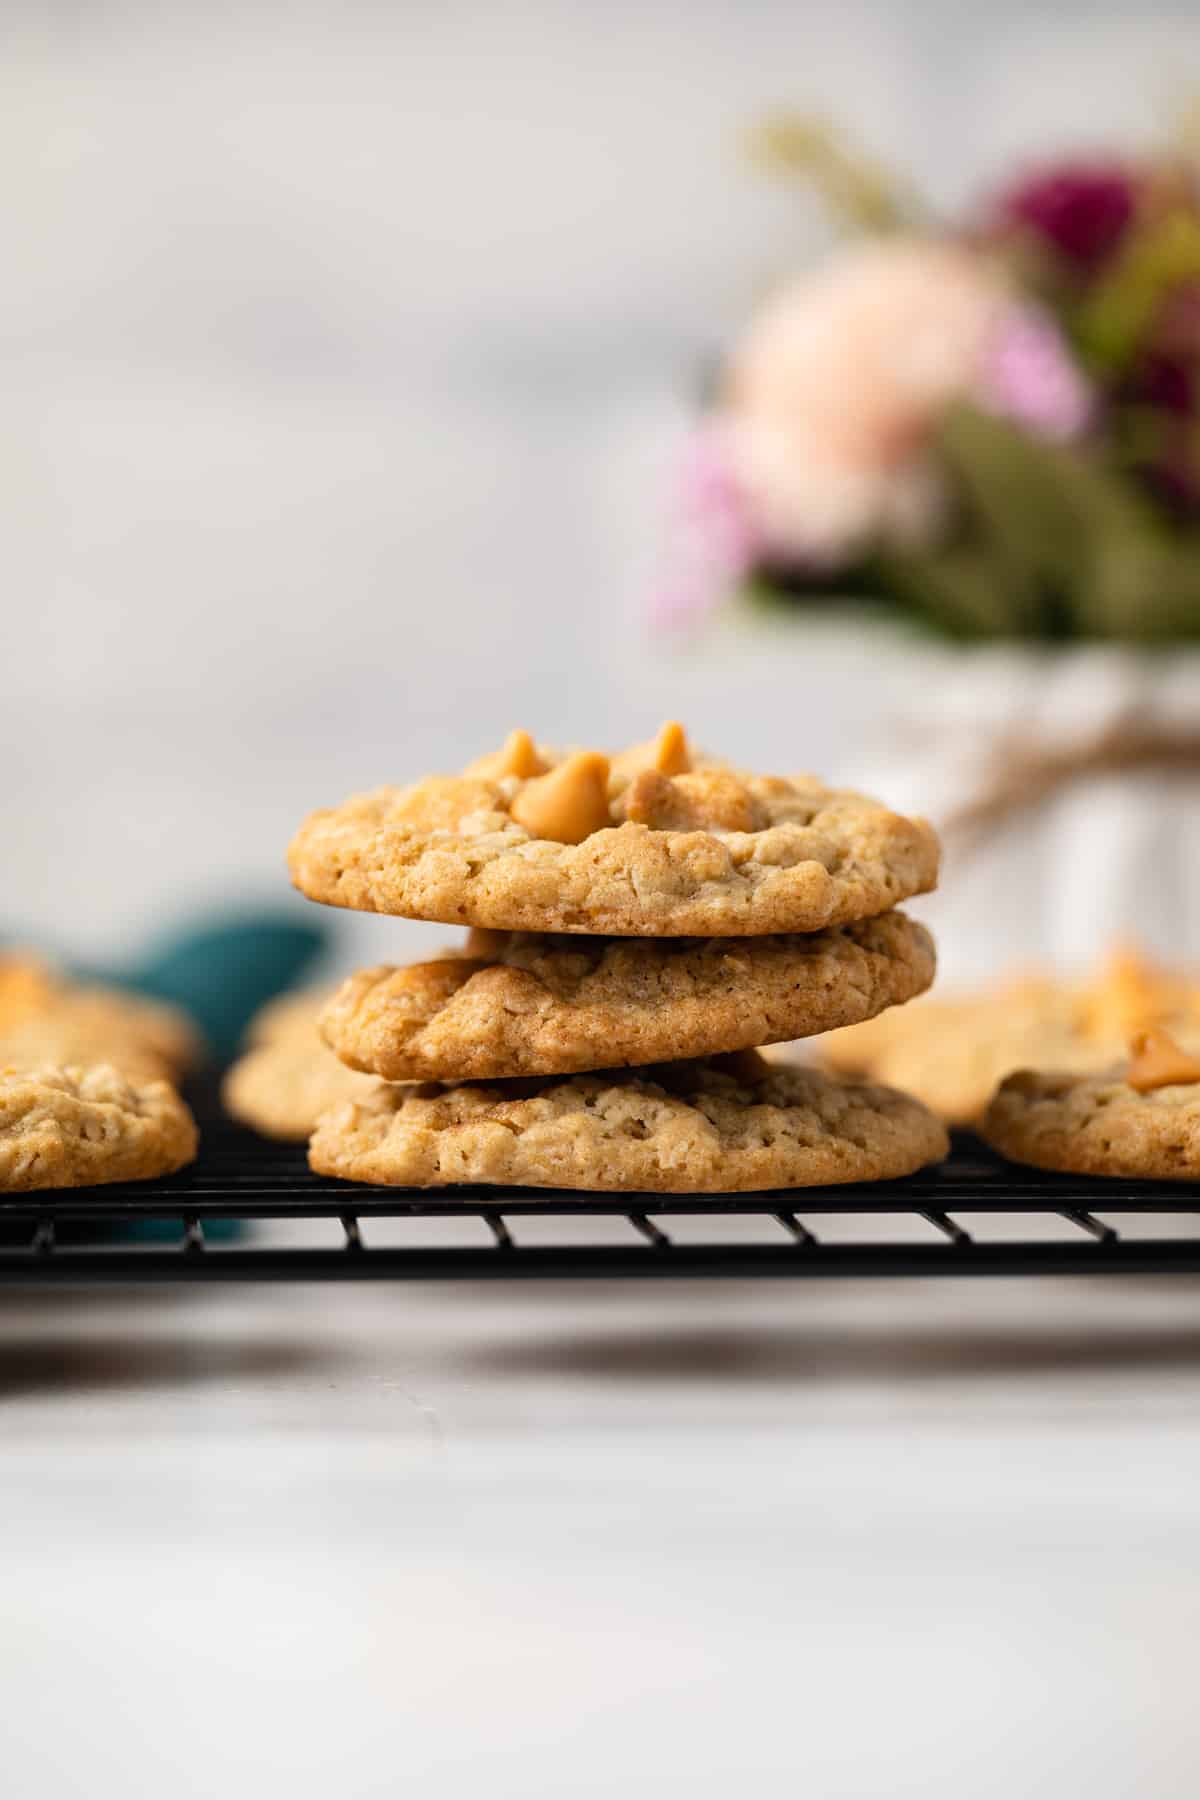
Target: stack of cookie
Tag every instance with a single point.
(88, 1082)
(640, 925)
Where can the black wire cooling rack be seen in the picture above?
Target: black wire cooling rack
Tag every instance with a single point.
(223, 1219)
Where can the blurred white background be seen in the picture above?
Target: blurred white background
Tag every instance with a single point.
(344, 348)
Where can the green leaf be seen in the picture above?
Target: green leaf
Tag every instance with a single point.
(852, 186)
(962, 592)
(1164, 596)
(1077, 537)
(1113, 321)
(1049, 542)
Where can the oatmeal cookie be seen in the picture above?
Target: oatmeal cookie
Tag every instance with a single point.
(287, 1078)
(519, 1004)
(47, 1018)
(952, 1051)
(1139, 1119)
(82, 1127)
(27, 987)
(722, 1126)
(655, 842)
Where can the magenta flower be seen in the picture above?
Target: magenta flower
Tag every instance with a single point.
(1166, 383)
(1163, 386)
(1081, 209)
(1027, 374)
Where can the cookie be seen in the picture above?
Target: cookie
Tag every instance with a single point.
(71, 1034)
(296, 1013)
(163, 1029)
(724, 1126)
(287, 1078)
(952, 1052)
(530, 1005)
(45, 1018)
(82, 1127)
(1139, 1119)
(27, 986)
(656, 842)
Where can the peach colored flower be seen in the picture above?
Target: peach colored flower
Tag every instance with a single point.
(832, 396)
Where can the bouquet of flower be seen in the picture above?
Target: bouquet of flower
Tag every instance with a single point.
(991, 426)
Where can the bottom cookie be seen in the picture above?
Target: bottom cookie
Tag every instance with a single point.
(83, 1127)
(726, 1125)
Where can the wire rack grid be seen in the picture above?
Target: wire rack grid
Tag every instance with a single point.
(220, 1219)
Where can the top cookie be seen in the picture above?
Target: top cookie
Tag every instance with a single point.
(655, 842)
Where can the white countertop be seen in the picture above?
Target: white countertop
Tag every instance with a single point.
(836, 1539)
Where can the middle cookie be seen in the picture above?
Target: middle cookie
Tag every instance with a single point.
(516, 1003)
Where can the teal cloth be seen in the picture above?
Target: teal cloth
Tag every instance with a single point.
(221, 970)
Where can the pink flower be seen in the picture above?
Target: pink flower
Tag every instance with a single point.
(833, 396)
(712, 543)
(1027, 374)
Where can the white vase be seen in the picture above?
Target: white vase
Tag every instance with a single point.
(1108, 854)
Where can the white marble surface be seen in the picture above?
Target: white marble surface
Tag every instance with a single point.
(862, 1539)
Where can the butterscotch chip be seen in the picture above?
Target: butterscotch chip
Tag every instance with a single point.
(1097, 1124)
(568, 803)
(84, 1127)
(287, 1077)
(1130, 993)
(518, 756)
(527, 1004)
(688, 1128)
(1157, 1061)
(733, 854)
(669, 754)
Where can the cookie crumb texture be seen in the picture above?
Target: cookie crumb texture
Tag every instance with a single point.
(687, 1128)
(1097, 1125)
(525, 1004)
(84, 1127)
(712, 851)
